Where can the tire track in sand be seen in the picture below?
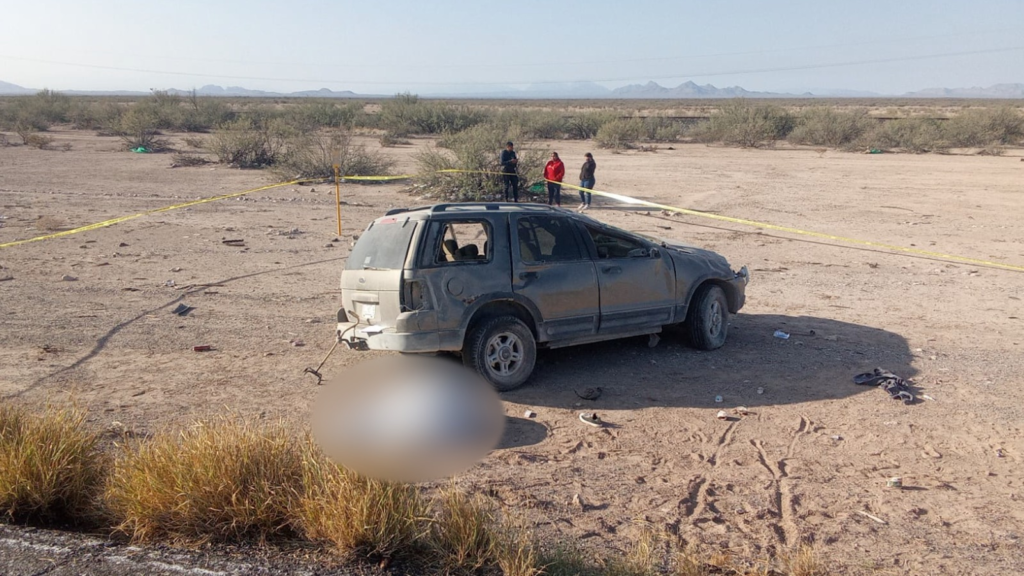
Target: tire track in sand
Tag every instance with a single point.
(785, 502)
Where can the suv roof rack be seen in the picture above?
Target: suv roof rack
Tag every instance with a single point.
(489, 206)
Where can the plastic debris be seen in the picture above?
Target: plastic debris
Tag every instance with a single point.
(203, 348)
(718, 399)
(780, 334)
(722, 415)
(529, 414)
(760, 390)
(68, 278)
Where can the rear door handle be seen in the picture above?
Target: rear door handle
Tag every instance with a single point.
(527, 275)
(611, 270)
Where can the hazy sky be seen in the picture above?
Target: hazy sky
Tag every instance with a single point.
(385, 47)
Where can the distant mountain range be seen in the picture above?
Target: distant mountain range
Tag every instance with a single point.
(570, 90)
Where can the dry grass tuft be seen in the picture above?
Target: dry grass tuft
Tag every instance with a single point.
(803, 561)
(224, 480)
(48, 223)
(50, 466)
(357, 515)
(463, 531)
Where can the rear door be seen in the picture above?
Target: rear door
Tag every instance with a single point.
(372, 280)
(552, 269)
(637, 281)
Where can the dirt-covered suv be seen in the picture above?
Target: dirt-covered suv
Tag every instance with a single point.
(494, 281)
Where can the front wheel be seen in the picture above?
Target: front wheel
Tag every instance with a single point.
(502, 350)
(707, 320)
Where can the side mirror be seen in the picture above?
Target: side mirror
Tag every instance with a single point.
(639, 253)
(655, 253)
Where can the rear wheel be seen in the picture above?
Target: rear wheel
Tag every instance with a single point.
(502, 350)
(707, 320)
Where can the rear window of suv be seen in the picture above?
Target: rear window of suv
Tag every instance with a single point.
(382, 246)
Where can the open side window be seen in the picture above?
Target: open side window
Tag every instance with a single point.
(611, 246)
(460, 242)
(547, 239)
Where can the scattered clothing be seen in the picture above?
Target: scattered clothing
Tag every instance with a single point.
(896, 387)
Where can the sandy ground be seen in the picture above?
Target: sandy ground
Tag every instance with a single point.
(813, 455)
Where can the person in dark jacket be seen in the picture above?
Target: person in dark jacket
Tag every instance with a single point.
(509, 178)
(554, 171)
(587, 180)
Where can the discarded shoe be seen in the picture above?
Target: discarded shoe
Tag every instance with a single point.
(590, 418)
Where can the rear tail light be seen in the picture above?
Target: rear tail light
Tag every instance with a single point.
(412, 295)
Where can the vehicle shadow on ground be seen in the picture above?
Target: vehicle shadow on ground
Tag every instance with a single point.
(816, 363)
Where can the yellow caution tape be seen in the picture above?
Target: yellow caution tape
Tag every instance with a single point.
(612, 195)
(113, 221)
(754, 223)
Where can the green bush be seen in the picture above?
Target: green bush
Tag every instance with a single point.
(406, 114)
(477, 150)
(907, 134)
(314, 154)
(740, 123)
(318, 114)
(586, 125)
(983, 127)
(825, 126)
(139, 127)
(252, 141)
(621, 133)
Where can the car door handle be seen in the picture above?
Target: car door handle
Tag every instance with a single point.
(611, 269)
(527, 275)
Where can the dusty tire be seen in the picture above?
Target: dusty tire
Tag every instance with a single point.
(707, 320)
(502, 350)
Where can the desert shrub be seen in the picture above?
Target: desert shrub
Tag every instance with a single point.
(907, 134)
(314, 154)
(475, 150)
(621, 133)
(194, 142)
(51, 468)
(389, 140)
(586, 125)
(315, 115)
(981, 127)
(357, 515)
(252, 141)
(544, 124)
(406, 114)
(38, 112)
(138, 127)
(824, 126)
(225, 480)
(184, 159)
(199, 114)
(4, 142)
(740, 123)
(33, 140)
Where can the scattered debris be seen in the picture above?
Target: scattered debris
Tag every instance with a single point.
(175, 269)
(741, 410)
(927, 397)
(170, 284)
(6, 278)
(68, 278)
(577, 500)
(836, 437)
(182, 309)
(590, 418)
(203, 348)
(123, 245)
(875, 518)
(894, 482)
(296, 343)
(529, 414)
(130, 289)
(760, 390)
(722, 415)
(780, 334)
(718, 399)
(236, 242)
(999, 453)
(589, 393)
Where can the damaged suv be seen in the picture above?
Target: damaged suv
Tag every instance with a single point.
(496, 281)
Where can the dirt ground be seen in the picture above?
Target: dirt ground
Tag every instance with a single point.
(808, 464)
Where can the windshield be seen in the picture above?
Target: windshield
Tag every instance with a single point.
(382, 246)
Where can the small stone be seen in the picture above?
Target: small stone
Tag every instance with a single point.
(122, 245)
(328, 245)
(68, 278)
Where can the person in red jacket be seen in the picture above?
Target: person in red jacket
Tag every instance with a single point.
(554, 171)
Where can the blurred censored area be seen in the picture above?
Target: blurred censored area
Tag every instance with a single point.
(408, 418)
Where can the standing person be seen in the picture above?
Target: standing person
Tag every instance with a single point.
(554, 171)
(509, 178)
(587, 180)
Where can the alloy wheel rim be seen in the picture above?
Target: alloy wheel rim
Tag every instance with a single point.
(504, 354)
